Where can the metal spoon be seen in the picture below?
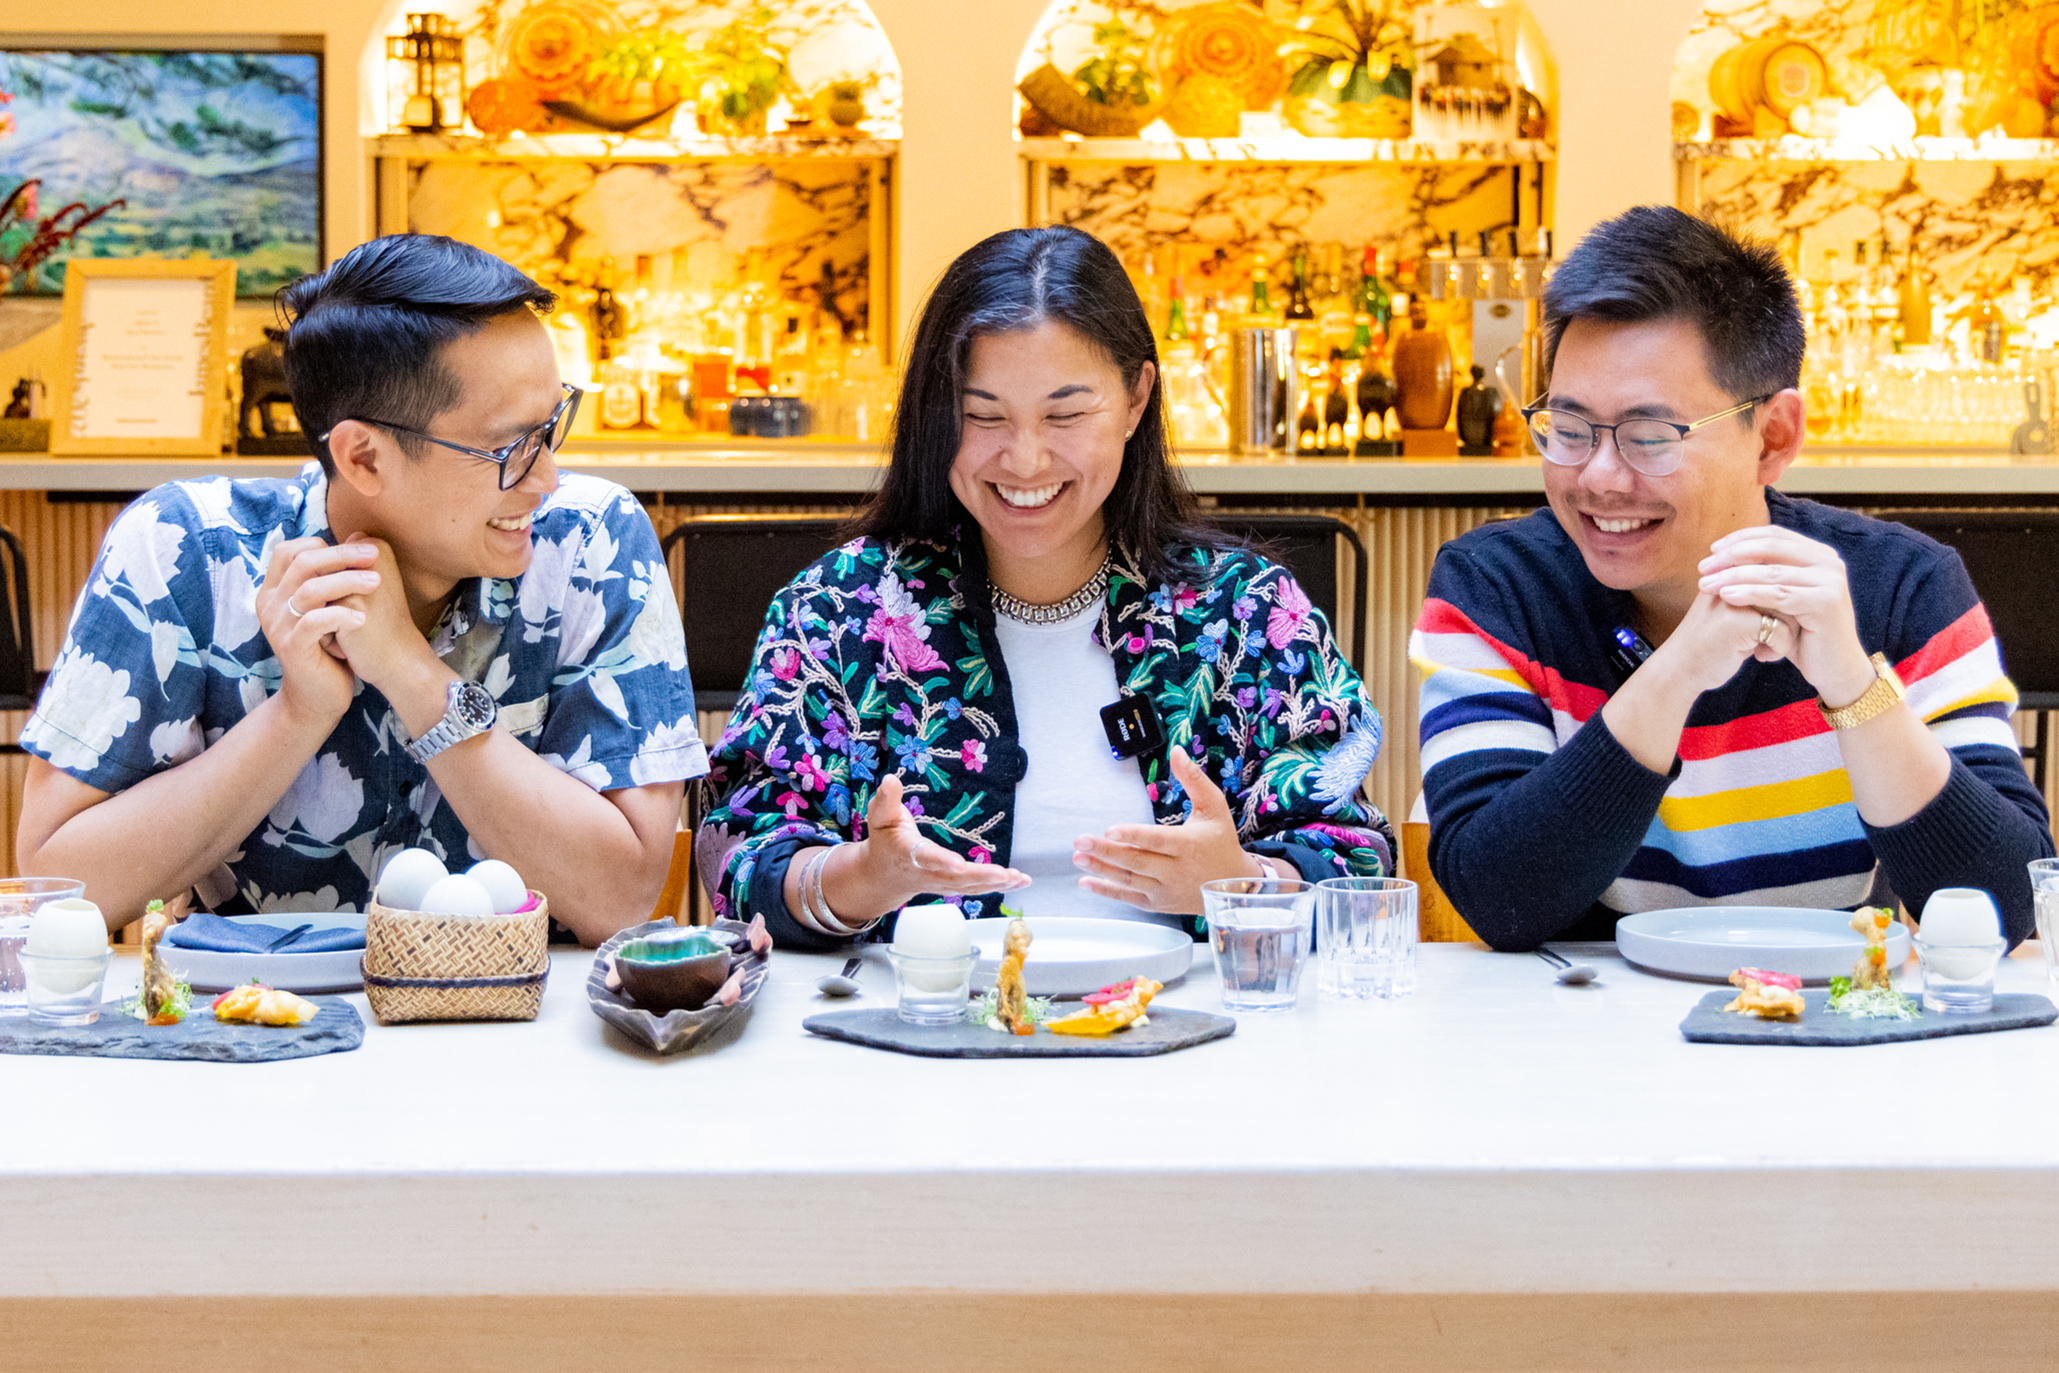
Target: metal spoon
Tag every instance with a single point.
(841, 984)
(1572, 974)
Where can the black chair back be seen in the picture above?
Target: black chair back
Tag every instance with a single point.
(728, 569)
(1306, 545)
(2013, 558)
(18, 682)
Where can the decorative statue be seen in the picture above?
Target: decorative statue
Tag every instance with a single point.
(264, 385)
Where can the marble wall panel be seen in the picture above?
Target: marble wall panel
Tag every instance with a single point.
(1139, 209)
(1969, 221)
(801, 213)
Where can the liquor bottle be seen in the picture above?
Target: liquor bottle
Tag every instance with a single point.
(1176, 330)
(1336, 410)
(1152, 298)
(1259, 311)
(1988, 326)
(1332, 299)
(1422, 371)
(1299, 311)
(1375, 299)
(1374, 392)
(1308, 427)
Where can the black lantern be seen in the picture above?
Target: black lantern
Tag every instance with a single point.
(425, 75)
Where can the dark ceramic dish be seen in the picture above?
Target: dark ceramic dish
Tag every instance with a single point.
(676, 1031)
(672, 974)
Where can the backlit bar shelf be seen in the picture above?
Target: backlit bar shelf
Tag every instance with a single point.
(624, 147)
(1285, 148)
(1797, 149)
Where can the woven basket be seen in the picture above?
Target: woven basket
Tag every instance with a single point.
(450, 967)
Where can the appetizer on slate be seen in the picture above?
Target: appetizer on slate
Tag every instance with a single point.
(1108, 1010)
(164, 1000)
(1012, 1001)
(257, 1004)
(1870, 973)
(1767, 995)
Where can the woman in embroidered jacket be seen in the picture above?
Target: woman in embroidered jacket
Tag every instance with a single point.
(923, 710)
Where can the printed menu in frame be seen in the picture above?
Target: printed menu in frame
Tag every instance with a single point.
(146, 357)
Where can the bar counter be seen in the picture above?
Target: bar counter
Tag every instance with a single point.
(850, 469)
(1498, 1172)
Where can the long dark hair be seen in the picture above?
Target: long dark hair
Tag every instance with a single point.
(1018, 279)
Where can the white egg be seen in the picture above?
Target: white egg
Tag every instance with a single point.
(502, 883)
(457, 895)
(408, 875)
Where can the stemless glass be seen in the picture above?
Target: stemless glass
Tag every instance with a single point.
(2044, 891)
(1259, 929)
(1366, 937)
(20, 898)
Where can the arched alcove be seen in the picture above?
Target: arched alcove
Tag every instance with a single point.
(1293, 172)
(700, 197)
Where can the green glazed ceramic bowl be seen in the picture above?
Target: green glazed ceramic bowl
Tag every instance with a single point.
(672, 974)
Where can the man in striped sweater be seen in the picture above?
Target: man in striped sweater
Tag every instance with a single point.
(1677, 686)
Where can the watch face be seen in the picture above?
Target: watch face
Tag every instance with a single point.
(473, 705)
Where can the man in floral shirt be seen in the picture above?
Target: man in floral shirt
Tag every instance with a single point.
(487, 662)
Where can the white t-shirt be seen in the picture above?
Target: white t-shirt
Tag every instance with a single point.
(1072, 784)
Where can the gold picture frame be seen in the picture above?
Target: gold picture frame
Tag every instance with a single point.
(146, 344)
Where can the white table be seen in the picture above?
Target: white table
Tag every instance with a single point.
(1497, 1172)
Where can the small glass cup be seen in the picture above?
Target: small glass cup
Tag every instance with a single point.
(20, 898)
(1260, 930)
(1365, 937)
(2044, 892)
(932, 991)
(1959, 979)
(65, 991)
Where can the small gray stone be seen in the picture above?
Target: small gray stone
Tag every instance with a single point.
(1164, 1030)
(335, 1028)
(1709, 1023)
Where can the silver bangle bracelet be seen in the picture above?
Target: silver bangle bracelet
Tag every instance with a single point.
(815, 905)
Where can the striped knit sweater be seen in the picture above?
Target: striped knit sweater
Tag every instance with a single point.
(1542, 826)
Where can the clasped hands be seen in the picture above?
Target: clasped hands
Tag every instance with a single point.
(1802, 586)
(334, 613)
(1154, 867)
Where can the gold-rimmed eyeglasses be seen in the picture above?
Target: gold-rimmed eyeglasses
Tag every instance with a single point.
(1652, 447)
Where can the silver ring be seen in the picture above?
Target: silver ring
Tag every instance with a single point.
(1766, 625)
(298, 612)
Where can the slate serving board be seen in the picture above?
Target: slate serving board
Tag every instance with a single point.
(1163, 1031)
(336, 1028)
(1708, 1023)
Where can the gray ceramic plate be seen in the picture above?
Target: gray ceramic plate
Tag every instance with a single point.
(678, 1030)
(1711, 942)
(340, 970)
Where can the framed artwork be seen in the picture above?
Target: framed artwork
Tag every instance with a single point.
(213, 153)
(146, 348)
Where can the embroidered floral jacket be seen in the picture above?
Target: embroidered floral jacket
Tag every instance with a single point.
(882, 658)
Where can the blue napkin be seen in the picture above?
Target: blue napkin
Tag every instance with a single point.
(205, 930)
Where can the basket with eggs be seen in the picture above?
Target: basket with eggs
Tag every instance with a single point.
(439, 945)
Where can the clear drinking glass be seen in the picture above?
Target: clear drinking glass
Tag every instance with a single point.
(1365, 937)
(1959, 978)
(20, 898)
(1260, 930)
(65, 991)
(932, 991)
(2044, 891)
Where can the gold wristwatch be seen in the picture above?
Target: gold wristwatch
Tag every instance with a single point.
(1887, 690)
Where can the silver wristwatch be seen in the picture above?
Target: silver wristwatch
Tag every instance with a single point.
(470, 713)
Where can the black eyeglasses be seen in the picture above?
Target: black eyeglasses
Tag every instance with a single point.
(518, 458)
(1652, 447)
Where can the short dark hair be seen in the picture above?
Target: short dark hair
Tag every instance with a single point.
(1018, 279)
(1656, 262)
(364, 336)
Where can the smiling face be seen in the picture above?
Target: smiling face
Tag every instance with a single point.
(443, 511)
(1046, 415)
(1646, 534)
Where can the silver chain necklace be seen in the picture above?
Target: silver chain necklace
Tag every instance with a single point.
(1029, 613)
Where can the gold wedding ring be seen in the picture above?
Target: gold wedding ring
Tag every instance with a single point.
(1766, 624)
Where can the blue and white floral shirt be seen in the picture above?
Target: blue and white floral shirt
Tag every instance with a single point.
(584, 652)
